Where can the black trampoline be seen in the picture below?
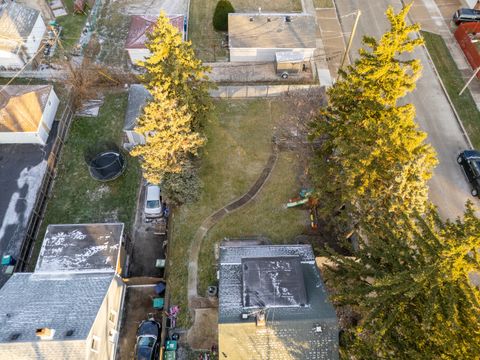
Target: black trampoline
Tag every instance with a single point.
(107, 165)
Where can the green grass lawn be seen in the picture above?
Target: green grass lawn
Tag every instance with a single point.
(72, 25)
(266, 215)
(72, 28)
(208, 42)
(76, 197)
(239, 144)
(453, 81)
(322, 4)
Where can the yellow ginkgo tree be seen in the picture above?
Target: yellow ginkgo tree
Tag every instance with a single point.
(170, 141)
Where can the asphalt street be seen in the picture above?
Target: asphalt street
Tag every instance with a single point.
(448, 187)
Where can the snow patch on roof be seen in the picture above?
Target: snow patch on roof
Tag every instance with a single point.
(82, 247)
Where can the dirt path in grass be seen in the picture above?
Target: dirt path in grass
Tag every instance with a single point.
(194, 301)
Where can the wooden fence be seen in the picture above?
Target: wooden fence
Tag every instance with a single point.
(38, 211)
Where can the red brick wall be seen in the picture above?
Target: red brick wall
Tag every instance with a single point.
(469, 49)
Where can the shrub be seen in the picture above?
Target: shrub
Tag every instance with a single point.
(182, 188)
(220, 16)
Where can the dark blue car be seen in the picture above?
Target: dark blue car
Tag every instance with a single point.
(148, 340)
(469, 160)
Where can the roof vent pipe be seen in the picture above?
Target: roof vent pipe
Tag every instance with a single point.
(261, 319)
(45, 333)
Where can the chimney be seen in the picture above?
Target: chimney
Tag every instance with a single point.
(45, 333)
(261, 319)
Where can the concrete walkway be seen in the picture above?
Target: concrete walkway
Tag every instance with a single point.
(333, 42)
(325, 49)
(203, 332)
(257, 91)
(217, 216)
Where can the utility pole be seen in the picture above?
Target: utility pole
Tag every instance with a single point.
(354, 29)
(469, 81)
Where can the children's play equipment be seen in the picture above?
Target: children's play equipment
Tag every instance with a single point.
(305, 197)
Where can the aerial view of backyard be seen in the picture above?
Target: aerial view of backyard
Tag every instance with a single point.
(239, 179)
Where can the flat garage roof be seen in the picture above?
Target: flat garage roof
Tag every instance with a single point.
(273, 282)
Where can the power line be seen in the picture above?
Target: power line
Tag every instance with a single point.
(23, 68)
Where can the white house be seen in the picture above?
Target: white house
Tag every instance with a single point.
(70, 307)
(137, 98)
(137, 34)
(21, 32)
(259, 36)
(27, 113)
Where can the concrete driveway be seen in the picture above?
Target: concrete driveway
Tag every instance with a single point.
(147, 247)
(448, 187)
(138, 306)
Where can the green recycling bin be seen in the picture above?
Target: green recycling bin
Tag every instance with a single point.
(171, 345)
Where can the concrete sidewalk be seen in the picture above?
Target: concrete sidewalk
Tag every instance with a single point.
(435, 16)
(329, 42)
(332, 37)
(256, 91)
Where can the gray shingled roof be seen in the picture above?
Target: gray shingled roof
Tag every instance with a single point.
(16, 24)
(293, 332)
(80, 247)
(271, 31)
(61, 302)
(137, 98)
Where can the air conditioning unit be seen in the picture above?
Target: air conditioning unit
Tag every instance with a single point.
(113, 336)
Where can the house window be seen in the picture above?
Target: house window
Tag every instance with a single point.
(95, 346)
(112, 316)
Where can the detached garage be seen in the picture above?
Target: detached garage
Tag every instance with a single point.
(27, 113)
(258, 37)
(140, 26)
(21, 32)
